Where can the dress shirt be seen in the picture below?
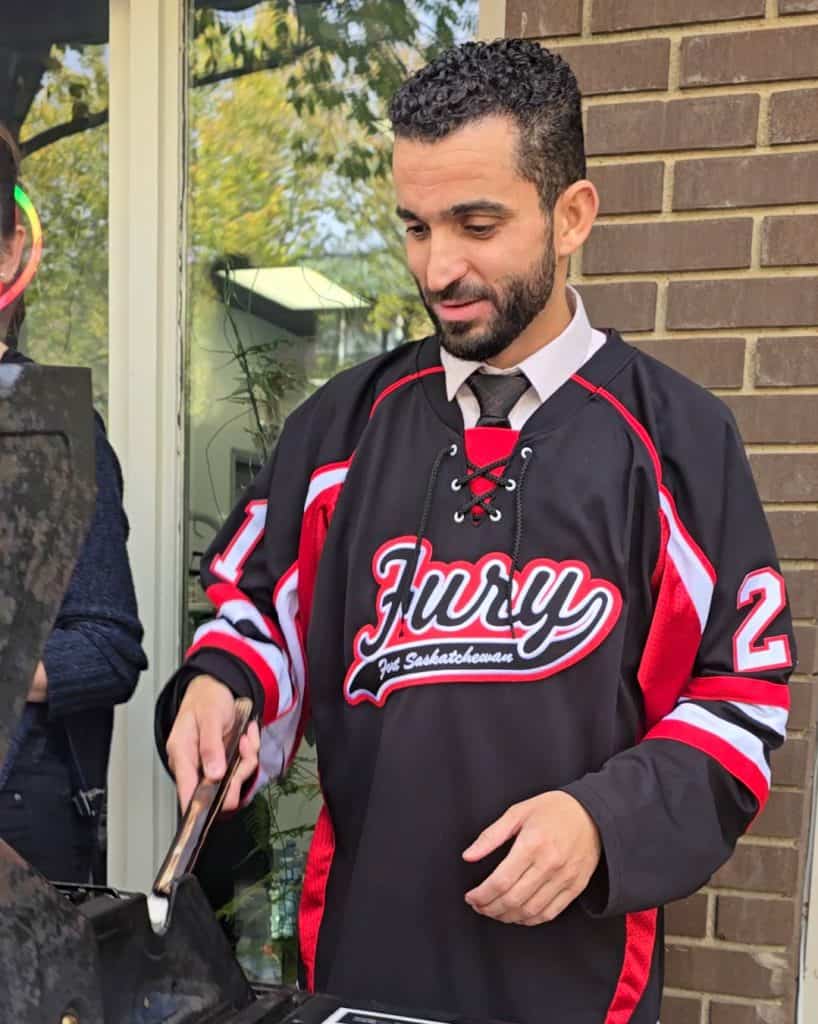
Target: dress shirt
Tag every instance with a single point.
(547, 369)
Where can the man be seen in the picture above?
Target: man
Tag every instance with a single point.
(526, 573)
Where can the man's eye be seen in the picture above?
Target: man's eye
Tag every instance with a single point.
(416, 230)
(480, 230)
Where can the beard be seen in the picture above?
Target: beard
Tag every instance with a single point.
(517, 301)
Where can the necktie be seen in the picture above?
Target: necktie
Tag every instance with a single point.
(497, 394)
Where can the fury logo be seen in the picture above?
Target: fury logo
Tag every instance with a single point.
(457, 627)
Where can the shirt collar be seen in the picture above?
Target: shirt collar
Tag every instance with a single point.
(547, 369)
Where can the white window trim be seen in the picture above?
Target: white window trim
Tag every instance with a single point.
(146, 277)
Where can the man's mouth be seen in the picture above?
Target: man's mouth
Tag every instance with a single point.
(459, 311)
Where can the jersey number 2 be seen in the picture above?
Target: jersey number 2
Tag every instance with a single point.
(764, 589)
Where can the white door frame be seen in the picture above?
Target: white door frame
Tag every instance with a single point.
(146, 277)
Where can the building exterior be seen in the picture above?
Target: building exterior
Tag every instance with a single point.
(702, 128)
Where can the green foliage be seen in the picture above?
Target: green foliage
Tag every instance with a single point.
(67, 303)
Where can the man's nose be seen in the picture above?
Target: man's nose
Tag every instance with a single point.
(446, 264)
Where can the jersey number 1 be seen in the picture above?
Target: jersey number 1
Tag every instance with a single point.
(230, 565)
(764, 589)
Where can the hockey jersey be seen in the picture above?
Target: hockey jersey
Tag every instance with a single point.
(471, 618)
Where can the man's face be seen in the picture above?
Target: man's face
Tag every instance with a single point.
(477, 241)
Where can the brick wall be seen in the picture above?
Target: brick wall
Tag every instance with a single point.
(702, 130)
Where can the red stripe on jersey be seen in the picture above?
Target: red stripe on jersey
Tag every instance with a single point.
(640, 939)
(748, 691)
(314, 892)
(220, 593)
(330, 466)
(732, 760)
(670, 648)
(236, 646)
(399, 384)
(661, 561)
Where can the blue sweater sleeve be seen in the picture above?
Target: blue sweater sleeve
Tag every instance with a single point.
(94, 654)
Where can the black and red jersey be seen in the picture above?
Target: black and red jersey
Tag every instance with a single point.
(592, 604)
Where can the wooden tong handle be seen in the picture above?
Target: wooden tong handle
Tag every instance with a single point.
(205, 804)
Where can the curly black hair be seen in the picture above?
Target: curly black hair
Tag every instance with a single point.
(512, 77)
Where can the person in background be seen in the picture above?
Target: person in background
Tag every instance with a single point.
(53, 781)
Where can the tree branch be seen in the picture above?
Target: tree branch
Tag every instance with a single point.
(82, 124)
(62, 131)
(268, 64)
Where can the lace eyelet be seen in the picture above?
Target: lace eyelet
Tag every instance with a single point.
(525, 452)
(510, 484)
(453, 450)
(458, 517)
(456, 485)
(495, 515)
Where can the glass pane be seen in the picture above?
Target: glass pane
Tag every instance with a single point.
(296, 270)
(54, 99)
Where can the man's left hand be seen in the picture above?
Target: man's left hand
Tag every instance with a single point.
(555, 852)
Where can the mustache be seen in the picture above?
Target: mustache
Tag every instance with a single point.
(459, 292)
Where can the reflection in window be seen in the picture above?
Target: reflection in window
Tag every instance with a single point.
(296, 270)
(54, 98)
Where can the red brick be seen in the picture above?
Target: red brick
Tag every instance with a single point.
(711, 362)
(630, 306)
(621, 15)
(743, 1013)
(790, 241)
(806, 641)
(758, 869)
(802, 695)
(678, 1010)
(787, 362)
(725, 970)
(708, 122)
(795, 532)
(687, 917)
(540, 18)
(786, 478)
(745, 919)
(754, 56)
(776, 419)
(782, 817)
(724, 182)
(742, 302)
(794, 116)
(802, 587)
(617, 67)
(656, 247)
(789, 763)
(797, 6)
(629, 188)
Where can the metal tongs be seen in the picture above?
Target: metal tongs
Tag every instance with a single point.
(203, 809)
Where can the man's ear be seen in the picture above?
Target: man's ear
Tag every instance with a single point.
(11, 252)
(574, 215)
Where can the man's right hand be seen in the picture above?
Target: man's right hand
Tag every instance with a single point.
(195, 746)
